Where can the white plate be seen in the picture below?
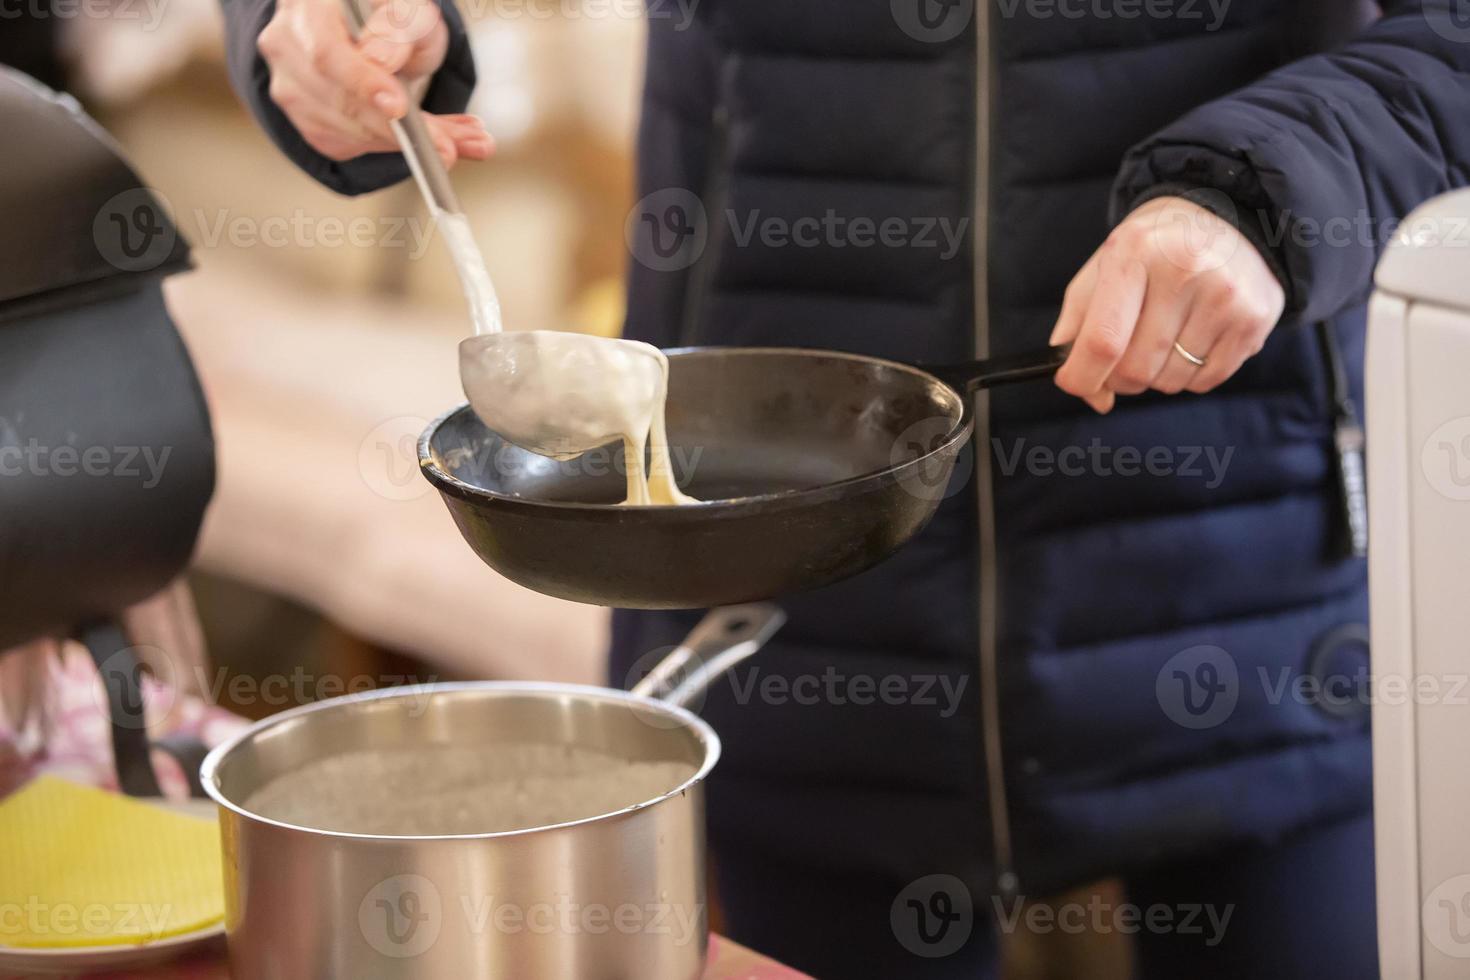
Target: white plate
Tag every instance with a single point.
(84, 959)
(72, 960)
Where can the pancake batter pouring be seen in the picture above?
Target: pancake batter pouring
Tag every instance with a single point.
(561, 394)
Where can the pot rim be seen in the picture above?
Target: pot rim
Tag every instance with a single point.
(701, 729)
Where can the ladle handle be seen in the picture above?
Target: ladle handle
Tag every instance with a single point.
(412, 133)
(974, 375)
(723, 638)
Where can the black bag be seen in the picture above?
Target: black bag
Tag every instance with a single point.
(106, 453)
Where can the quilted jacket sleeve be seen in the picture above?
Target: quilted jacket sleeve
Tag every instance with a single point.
(448, 93)
(1322, 158)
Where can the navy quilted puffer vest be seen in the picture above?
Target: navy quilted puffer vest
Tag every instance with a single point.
(1102, 653)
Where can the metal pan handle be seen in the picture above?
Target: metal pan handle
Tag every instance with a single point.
(723, 638)
(974, 375)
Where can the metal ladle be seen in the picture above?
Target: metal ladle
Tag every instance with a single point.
(500, 370)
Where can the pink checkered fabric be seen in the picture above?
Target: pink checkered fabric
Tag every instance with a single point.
(70, 736)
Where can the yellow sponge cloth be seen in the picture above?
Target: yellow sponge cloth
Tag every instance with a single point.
(84, 867)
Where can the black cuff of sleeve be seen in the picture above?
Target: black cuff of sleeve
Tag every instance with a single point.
(448, 92)
(454, 83)
(1251, 224)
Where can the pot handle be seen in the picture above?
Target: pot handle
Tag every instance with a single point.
(974, 375)
(723, 638)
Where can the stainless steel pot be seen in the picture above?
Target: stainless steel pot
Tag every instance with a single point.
(612, 897)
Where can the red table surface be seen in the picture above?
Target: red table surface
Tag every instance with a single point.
(727, 961)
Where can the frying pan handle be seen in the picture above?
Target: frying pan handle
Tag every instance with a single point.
(722, 639)
(973, 376)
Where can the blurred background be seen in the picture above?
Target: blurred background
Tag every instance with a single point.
(325, 331)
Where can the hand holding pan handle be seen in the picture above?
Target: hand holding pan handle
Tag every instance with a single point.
(974, 375)
(723, 638)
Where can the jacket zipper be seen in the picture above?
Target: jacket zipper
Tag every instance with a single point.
(1348, 443)
(713, 195)
(1006, 884)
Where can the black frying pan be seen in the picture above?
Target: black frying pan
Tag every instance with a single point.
(818, 464)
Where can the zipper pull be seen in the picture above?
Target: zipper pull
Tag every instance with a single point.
(1352, 485)
(1348, 444)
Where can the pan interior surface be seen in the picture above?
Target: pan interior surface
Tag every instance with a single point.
(743, 422)
(461, 761)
